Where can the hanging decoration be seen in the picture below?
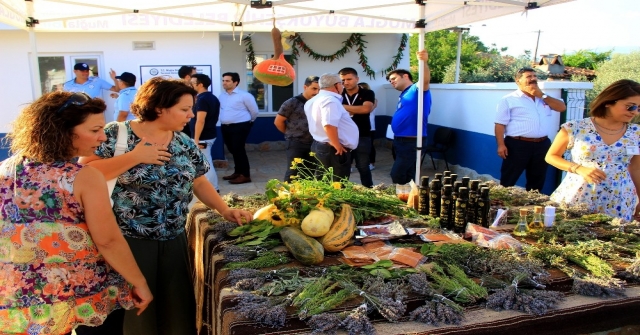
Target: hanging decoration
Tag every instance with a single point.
(354, 41)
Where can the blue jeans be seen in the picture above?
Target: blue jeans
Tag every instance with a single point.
(404, 167)
(211, 174)
(362, 156)
(297, 149)
(326, 154)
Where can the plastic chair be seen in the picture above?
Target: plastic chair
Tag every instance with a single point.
(441, 142)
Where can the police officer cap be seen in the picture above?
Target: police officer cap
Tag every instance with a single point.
(81, 67)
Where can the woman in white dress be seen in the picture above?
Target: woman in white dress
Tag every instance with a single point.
(604, 168)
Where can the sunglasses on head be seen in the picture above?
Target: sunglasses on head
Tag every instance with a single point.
(76, 99)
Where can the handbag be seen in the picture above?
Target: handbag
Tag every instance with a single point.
(121, 147)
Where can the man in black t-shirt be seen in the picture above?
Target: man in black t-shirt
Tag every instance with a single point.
(203, 126)
(292, 122)
(359, 103)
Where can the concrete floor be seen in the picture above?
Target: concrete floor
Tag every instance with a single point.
(267, 165)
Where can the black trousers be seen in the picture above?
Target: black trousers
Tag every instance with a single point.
(298, 149)
(525, 156)
(235, 137)
(326, 154)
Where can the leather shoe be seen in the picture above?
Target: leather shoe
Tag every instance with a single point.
(241, 179)
(231, 176)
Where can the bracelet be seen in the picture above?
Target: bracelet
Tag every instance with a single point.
(573, 168)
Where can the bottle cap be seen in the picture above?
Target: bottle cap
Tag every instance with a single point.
(437, 176)
(456, 186)
(463, 192)
(446, 181)
(474, 184)
(454, 177)
(538, 209)
(446, 190)
(465, 181)
(549, 210)
(435, 185)
(523, 212)
(446, 173)
(424, 181)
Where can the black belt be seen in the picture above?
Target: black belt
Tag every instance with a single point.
(329, 145)
(405, 139)
(529, 139)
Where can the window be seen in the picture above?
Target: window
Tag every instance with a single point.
(55, 70)
(268, 97)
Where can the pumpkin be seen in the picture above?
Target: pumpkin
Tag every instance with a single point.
(272, 214)
(275, 71)
(317, 222)
(341, 231)
(305, 249)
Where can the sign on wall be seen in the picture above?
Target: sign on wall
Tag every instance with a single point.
(168, 71)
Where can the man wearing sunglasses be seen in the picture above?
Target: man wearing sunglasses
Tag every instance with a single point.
(83, 82)
(520, 134)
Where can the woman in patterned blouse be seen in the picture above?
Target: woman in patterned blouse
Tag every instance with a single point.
(158, 174)
(58, 236)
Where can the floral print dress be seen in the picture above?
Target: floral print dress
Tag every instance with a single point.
(52, 277)
(616, 195)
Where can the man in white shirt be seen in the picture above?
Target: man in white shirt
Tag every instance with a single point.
(238, 110)
(334, 133)
(522, 141)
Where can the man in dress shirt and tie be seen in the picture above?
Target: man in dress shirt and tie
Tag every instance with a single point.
(522, 141)
(238, 110)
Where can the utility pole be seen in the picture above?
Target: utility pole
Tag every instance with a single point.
(535, 54)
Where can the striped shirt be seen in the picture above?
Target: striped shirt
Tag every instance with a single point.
(521, 115)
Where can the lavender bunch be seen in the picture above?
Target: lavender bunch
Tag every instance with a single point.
(221, 229)
(419, 283)
(325, 323)
(247, 279)
(235, 253)
(438, 310)
(598, 287)
(357, 322)
(395, 290)
(269, 312)
(534, 302)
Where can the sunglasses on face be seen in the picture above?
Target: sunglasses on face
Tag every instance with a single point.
(632, 108)
(76, 99)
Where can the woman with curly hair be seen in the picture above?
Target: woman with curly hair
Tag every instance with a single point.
(604, 168)
(158, 175)
(59, 241)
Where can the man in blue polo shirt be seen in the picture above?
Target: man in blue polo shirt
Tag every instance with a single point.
(87, 84)
(405, 120)
(127, 84)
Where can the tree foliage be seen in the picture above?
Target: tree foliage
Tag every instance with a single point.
(500, 69)
(442, 47)
(586, 59)
(621, 66)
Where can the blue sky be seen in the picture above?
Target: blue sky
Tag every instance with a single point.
(598, 25)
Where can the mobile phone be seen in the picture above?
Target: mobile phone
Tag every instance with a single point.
(203, 143)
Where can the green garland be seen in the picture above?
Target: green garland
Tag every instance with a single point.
(354, 41)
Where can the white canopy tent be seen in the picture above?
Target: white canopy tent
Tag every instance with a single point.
(318, 16)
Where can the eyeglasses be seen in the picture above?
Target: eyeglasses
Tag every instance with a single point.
(76, 99)
(632, 108)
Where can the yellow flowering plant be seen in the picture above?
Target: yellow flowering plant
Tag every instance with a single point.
(314, 186)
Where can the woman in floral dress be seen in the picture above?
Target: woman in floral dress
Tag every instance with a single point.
(604, 170)
(59, 241)
(158, 175)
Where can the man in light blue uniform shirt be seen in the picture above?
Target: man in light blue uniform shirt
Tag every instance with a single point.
(127, 84)
(90, 85)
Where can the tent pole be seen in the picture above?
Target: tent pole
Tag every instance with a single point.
(36, 88)
(458, 56)
(420, 24)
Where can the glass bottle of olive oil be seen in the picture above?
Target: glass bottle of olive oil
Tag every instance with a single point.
(521, 228)
(537, 223)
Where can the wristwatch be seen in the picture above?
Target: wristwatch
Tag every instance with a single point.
(544, 95)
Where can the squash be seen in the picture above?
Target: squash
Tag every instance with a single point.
(275, 71)
(341, 232)
(272, 214)
(305, 249)
(317, 222)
